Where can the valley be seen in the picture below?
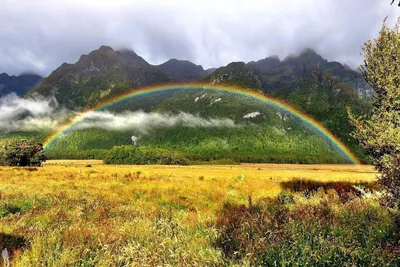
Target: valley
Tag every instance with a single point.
(73, 212)
(199, 133)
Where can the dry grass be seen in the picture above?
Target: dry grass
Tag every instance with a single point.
(68, 213)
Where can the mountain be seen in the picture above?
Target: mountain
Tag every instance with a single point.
(235, 73)
(294, 67)
(183, 70)
(260, 133)
(319, 88)
(19, 85)
(101, 74)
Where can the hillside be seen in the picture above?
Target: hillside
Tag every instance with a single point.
(19, 85)
(260, 133)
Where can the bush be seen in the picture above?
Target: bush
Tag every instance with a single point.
(21, 153)
(345, 190)
(144, 155)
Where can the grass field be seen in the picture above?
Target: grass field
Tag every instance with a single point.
(84, 213)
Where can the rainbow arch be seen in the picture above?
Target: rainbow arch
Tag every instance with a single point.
(318, 127)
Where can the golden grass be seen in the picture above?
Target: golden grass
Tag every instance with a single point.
(136, 215)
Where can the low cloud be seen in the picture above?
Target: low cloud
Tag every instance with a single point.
(143, 122)
(44, 114)
(33, 114)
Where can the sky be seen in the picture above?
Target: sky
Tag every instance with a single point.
(38, 36)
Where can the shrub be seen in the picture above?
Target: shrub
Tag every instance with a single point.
(21, 153)
(345, 190)
(285, 198)
(378, 131)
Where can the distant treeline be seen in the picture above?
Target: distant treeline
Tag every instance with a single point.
(144, 155)
(288, 143)
(129, 154)
(253, 144)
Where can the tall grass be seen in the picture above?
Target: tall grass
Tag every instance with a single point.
(70, 215)
(317, 231)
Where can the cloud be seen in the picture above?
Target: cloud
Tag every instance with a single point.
(33, 114)
(143, 122)
(41, 35)
(44, 114)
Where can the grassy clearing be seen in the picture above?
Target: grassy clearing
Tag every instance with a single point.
(89, 214)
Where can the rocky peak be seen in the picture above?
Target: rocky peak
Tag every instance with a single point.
(131, 55)
(183, 70)
(105, 48)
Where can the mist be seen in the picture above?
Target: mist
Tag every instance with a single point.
(32, 114)
(143, 122)
(45, 114)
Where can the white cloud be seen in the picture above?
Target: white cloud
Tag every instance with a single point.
(143, 122)
(42, 114)
(33, 114)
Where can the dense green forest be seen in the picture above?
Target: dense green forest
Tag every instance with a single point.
(144, 155)
(270, 136)
(242, 144)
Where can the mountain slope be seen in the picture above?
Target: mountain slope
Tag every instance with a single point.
(236, 74)
(183, 70)
(260, 133)
(273, 71)
(308, 82)
(319, 88)
(19, 85)
(101, 74)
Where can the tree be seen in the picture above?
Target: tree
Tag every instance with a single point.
(21, 153)
(379, 131)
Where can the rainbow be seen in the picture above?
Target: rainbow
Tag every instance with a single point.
(216, 88)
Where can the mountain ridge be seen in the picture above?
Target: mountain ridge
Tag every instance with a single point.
(183, 70)
(19, 85)
(98, 75)
(307, 81)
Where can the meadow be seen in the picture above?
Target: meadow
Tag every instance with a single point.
(85, 213)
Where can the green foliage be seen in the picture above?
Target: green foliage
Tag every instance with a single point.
(273, 136)
(21, 153)
(285, 198)
(144, 155)
(379, 132)
(14, 208)
(249, 143)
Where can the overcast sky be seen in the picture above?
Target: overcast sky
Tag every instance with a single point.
(38, 36)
